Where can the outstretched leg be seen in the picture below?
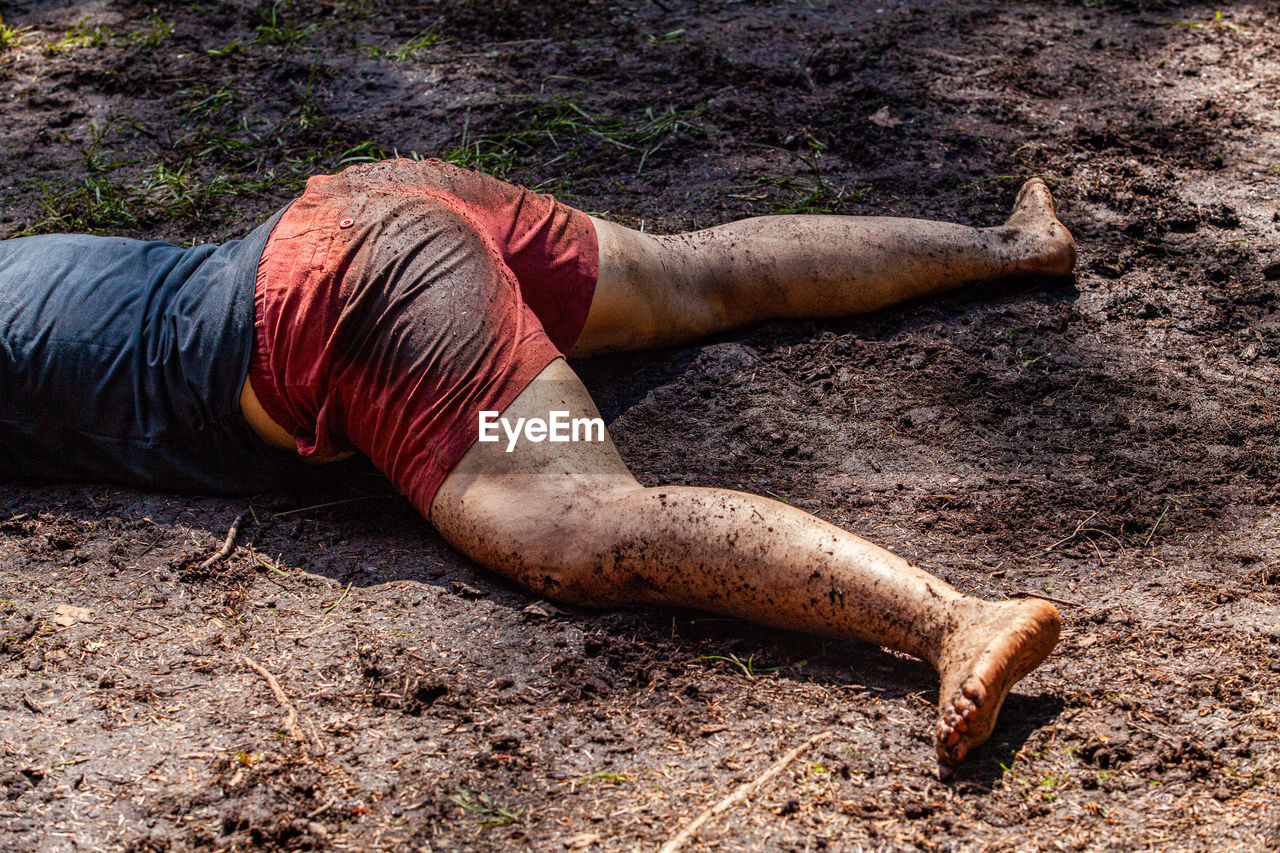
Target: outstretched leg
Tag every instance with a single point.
(569, 521)
(663, 290)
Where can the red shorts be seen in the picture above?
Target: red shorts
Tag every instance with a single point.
(397, 300)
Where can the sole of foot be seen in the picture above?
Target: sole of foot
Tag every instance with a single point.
(991, 651)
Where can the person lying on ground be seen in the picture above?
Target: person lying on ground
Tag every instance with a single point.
(394, 305)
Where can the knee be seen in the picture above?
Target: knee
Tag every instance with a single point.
(698, 293)
(655, 290)
(576, 573)
(559, 546)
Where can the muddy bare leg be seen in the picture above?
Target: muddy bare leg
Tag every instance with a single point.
(570, 522)
(662, 290)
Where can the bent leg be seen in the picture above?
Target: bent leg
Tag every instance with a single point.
(569, 521)
(662, 290)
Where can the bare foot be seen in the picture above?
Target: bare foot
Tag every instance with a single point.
(988, 652)
(1051, 250)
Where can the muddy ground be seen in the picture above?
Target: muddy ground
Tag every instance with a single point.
(1109, 441)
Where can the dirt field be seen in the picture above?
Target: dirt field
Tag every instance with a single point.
(1108, 441)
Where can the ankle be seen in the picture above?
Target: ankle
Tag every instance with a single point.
(965, 616)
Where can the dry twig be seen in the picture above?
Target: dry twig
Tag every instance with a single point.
(223, 552)
(1027, 593)
(291, 724)
(746, 789)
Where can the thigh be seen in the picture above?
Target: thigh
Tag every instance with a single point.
(523, 512)
(651, 291)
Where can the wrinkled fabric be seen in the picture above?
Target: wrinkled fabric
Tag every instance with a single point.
(397, 300)
(123, 360)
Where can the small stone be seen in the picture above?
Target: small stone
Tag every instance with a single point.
(67, 615)
(882, 118)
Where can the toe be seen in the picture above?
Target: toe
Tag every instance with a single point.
(1029, 187)
(952, 754)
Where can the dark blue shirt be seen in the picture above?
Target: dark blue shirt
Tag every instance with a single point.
(123, 360)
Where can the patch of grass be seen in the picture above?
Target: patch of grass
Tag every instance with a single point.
(1049, 786)
(201, 103)
(491, 814)
(308, 114)
(673, 37)
(79, 36)
(226, 50)
(153, 35)
(805, 194)
(176, 193)
(602, 776)
(234, 143)
(94, 154)
(12, 36)
(748, 666)
(1216, 23)
(229, 143)
(352, 10)
(198, 179)
(369, 152)
(410, 49)
(808, 193)
(815, 196)
(560, 129)
(82, 35)
(96, 206)
(275, 30)
(101, 203)
(657, 129)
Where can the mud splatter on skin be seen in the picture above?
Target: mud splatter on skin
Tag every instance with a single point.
(739, 555)
(679, 288)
